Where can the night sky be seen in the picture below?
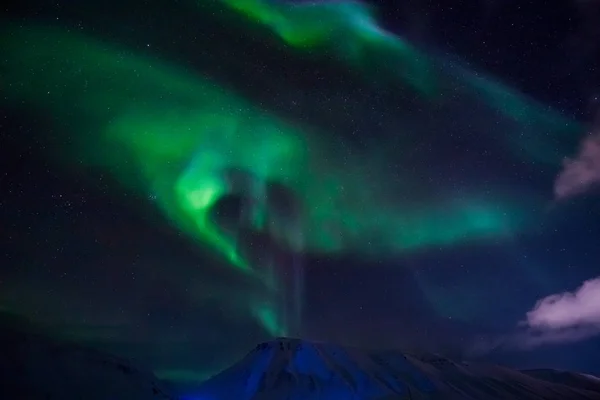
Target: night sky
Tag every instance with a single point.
(183, 179)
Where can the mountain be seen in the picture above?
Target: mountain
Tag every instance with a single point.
(295, 369)
(34, 366)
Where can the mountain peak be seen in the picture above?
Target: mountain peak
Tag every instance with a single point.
(292, 368)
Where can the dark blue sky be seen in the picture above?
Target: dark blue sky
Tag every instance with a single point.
(74, 231)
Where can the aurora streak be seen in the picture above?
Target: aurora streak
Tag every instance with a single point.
(187, 140)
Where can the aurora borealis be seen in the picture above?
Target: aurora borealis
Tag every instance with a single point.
(269, 135)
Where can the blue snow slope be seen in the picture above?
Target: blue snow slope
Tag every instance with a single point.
(293, 369)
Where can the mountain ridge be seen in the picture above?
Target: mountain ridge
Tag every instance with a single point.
(35, 365)
(288, 368)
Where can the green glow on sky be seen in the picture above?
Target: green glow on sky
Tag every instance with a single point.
(350, 30)
(347, 28)
(182, 375)
(269, 319)
(180, 131)
(170, 134)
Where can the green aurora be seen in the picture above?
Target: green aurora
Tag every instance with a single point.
(171, 135)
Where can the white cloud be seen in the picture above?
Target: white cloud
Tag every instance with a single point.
(563, 317)
(580, 173)
(559, 318)
(569, 309)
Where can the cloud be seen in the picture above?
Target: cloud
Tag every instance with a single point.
(559, 318)
(563, 317)
(569, 309)
(582, 172)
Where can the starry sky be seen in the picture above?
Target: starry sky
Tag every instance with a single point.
(183, 179)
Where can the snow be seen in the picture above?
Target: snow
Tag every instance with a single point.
(298, 370)
(36, 367)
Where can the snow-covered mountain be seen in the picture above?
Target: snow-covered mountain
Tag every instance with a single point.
(34, 366)
(294, 369)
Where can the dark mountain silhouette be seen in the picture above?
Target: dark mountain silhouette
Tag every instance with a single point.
(295, 369)
(35, 366)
